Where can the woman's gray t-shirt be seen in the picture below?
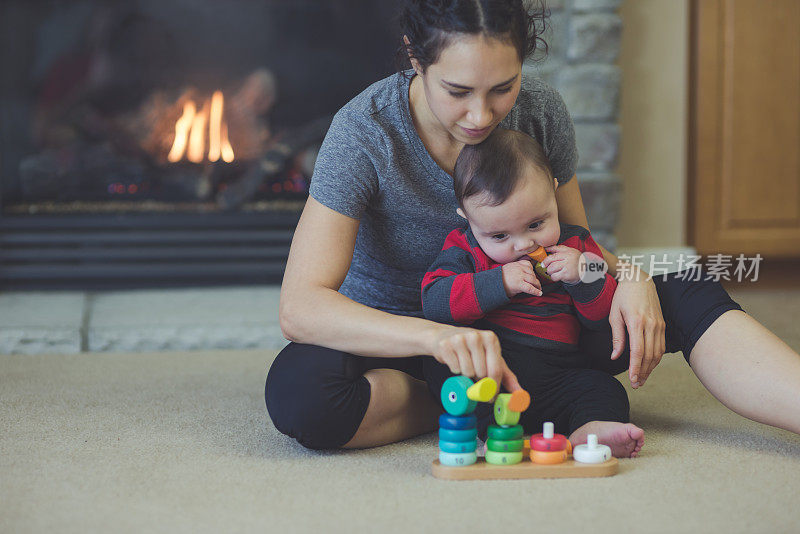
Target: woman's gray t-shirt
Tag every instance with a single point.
(373, 166)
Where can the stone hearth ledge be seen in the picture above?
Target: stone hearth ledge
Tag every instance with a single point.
(140, 321)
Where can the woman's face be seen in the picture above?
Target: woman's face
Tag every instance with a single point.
(473, 86)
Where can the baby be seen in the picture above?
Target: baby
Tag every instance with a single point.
(483, 277)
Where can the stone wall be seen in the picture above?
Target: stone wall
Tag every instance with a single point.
(584, 42)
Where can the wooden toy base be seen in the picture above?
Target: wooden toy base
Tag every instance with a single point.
(525, 469)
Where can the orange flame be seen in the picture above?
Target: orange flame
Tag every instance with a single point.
(190, 133)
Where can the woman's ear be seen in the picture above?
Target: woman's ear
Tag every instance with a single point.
(461, 213)
(414, 63)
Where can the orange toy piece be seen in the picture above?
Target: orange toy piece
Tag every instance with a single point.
(538, 255)
(520, 400)
(548, 458)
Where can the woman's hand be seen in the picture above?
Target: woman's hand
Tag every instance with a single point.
(636, 306)
(473, 353)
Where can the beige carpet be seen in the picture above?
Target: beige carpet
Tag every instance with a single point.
(180, 442)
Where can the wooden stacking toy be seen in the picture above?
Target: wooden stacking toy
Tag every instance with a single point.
(508, 454)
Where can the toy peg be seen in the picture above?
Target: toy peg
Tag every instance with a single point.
(520, 400)
(548, 430)
(483, 390)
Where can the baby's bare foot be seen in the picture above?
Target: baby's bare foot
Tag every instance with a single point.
(625, 439)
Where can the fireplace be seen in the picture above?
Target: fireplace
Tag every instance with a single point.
(169, 142)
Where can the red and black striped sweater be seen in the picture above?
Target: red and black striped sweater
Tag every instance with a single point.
(464, 286)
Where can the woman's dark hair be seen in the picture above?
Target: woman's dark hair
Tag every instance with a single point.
(495, 165)
(430, 25)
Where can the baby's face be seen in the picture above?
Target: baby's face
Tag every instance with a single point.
(527, 220)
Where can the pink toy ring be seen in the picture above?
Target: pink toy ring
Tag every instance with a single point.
(557, 443)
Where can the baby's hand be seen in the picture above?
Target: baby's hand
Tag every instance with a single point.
(518, 277)
(563, 264)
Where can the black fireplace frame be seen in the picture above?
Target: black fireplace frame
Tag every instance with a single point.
(149, 250)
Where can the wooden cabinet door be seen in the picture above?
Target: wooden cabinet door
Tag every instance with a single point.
(744, 131)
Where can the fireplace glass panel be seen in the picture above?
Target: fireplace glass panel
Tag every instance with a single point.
(164, 106)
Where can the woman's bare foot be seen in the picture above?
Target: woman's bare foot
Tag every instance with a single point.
(625, 439)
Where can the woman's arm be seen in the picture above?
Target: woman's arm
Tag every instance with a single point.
(635, 305)
(313, 311)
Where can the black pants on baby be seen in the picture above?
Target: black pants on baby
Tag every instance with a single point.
(319, 396)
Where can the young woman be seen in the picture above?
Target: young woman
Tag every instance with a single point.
(380, 205)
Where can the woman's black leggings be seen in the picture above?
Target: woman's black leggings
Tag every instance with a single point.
(319, 396)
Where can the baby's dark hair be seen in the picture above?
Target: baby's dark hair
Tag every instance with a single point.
(430, 25)
(494, 166)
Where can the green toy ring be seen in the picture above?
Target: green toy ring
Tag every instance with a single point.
(505, 433)
(496, 445)
(469, 434)
(503, 458)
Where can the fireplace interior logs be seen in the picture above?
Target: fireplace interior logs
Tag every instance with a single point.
(184, 147)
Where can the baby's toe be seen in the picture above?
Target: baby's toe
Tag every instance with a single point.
(635, 432)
